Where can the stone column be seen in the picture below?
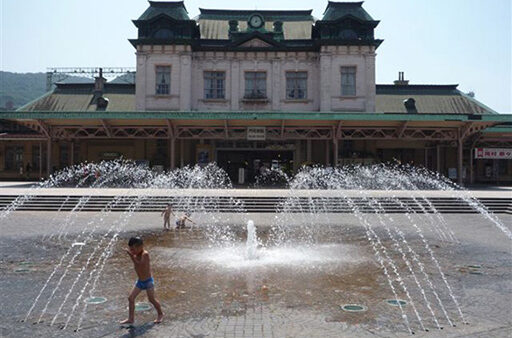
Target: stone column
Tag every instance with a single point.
(186, 81)
(235, 84)
(276, 84)
(370, 81)
(325, 80)
(140, 81)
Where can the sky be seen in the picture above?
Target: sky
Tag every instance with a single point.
(465, 42)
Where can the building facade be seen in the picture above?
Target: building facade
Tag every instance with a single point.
(251, 89)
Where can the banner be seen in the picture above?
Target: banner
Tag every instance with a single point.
(494, 153)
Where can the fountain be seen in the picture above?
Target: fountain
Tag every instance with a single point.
(334, 229)
(252, 241)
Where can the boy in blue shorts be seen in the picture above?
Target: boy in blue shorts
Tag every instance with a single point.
(140, 259)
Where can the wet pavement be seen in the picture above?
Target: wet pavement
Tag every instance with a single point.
(296, 289)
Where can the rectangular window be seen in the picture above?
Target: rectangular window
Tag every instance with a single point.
(163, 80)
(348, 81)
(13, 157)
(36, 157)
(255, 85)
(214, 85)
(296, 85)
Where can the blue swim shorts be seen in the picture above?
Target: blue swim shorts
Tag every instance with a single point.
(145, 284)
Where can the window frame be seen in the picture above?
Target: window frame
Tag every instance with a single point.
(251, 96)
(344, 86)
(214, 89)
(296, 80)
(157, 93)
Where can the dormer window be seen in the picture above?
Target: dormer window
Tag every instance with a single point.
(164, 33)
(348, 34)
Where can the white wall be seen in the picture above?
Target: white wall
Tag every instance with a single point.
(324, 78)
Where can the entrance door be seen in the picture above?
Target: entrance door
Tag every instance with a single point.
(252, 160)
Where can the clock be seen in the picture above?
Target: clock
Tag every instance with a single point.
(256, 21)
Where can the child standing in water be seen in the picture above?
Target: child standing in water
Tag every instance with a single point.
(140, 259)
(167, 216)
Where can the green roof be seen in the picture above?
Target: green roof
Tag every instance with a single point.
(243, 15)
(441, 99)
(175, 10)
(337, 10)
(252, 115)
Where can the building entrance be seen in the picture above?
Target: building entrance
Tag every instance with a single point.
(244, 166)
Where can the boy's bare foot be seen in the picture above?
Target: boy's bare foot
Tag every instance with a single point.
(126, 321)
(158, 319)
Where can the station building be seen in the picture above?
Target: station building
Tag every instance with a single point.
(257, 88)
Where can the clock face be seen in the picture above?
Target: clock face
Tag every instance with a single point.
(256, 21)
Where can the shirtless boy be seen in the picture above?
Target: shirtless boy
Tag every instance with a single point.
(180, 223)
(140, 258)
(167, 216)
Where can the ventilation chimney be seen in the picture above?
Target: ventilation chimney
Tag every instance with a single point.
(410, 106)
(233, 26)
(401, 80)
(99, 82)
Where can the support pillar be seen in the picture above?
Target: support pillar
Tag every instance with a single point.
(308, 150)
(335, 153)
(72, 157)
(438, 158)
(172, 152)
(459, 161)
(426, 157)
(40, 160)
(182, 162)
(298, 156)
(471, 173)
(49, 157)
(327, 151)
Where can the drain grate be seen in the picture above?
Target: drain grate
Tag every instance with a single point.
(396, 302)
(354, 308)
(96, 300)
(142, 307)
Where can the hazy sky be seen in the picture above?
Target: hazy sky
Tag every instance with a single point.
(465, 42)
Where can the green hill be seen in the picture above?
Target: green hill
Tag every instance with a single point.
(17, 89)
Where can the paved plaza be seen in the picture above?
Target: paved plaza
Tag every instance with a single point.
(204, 295)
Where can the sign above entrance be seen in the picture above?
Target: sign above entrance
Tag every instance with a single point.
(494, 153)
(256, 133)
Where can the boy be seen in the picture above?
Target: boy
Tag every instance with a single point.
(180, 223)
(140, 258)
(167, 216)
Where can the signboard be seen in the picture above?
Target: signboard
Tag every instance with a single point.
(256, 133)
(110, 155)
(494, 153)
